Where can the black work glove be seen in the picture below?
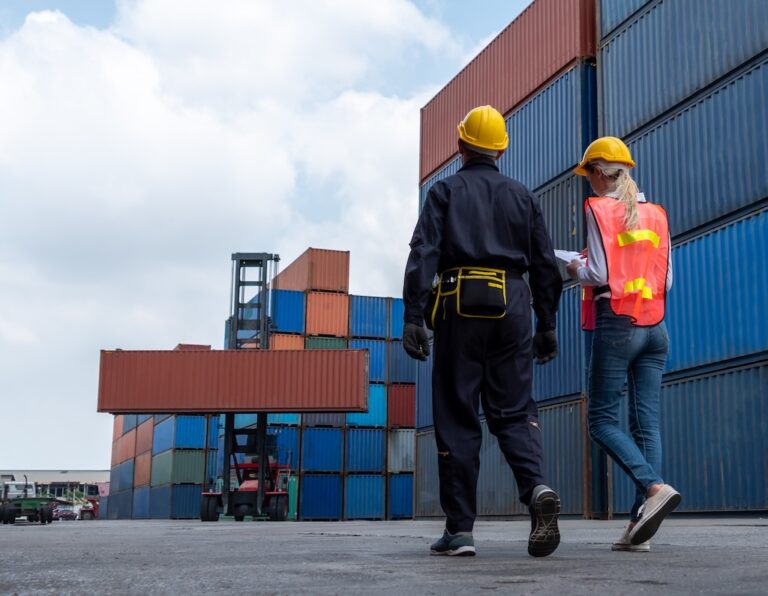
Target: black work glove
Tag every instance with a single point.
(544, 346)
(415, 341)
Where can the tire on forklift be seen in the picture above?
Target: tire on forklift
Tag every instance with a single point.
(209, 509)
(278, 508)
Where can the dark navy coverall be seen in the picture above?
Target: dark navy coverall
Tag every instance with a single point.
(479, 217)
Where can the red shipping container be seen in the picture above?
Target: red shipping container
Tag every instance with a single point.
(285, 341)
(157, 382)
(126, 446)
(401, 406)
(117, 428)
(327, 314)
(316, 269)
(144, 434)
(546, 37)
(142, 469)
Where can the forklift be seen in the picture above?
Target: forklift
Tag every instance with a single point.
(261, 485)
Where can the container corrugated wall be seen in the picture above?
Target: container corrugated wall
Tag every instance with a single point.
(178, 501)
(703, 328)
(426, 486)
(714, 430)
(121, 477)
(142, 469)
(129, 422)
(183, 466)
(377, 409)
(400, 497)
(377, 357)
(287, 310)
(687, 162)
(320, 497)
(366, 449)
(368, 317)
(401, 367)
(288, 419)
(321, 449)
(284, 341)
(364, 496)
(396, 314)
(327, 314)
(496, 488)
(324, 419)
(562, 205)
(120, 504)
(286, 444)
(400, 451)
(144, 434)
(325, 343)
(141, 503)
(546, 37)
(424, 392)
(401, 406)
(565, 442)
(613, 13)
(677, 38)
(316, 269)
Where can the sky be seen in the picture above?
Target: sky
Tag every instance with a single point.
(142, 142)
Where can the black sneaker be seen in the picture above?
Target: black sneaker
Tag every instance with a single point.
(460, 544)
(545, 509)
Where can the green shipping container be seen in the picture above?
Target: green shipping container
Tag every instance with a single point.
(325, 343)
(178, 466)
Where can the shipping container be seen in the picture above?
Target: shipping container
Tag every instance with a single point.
(562, 205)
(327, 314)
(565, 451)
(549, 132)
(223, 381)
(400, 497)
(121, 504)
(707, 159)
(287, 419)
(364, 496)
(104, 507)
(424, 392)
(141, 418)
(117, 427)
(316, 269)
(176, 501)
(613, 13)
(396, 314)
(401, 406)
(377, 409)
(114, 459)
(368, 316)
(129, 422)
(714, 430)
(702, 328)
(287, 311)
(320, 497)
(426, 486)
(126, 446)
(366, 450)
(377, 357)
(544, 39)
(665, 54)
(496, 487)
(245, 420)
(141, 503)
(324, 419)
(178, 466)
(401, 367)
(283, 341)
(144, 433)
(121, 477)
(179, 432)
(400, 451)
(286, 445)
(325, 343)
(142, 469)
(321, 449)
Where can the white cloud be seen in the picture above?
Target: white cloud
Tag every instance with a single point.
(135, 160)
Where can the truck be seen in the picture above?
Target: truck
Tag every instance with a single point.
(20, 499)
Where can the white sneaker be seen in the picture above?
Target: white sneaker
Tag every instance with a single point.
(653, 512)
(623, 544)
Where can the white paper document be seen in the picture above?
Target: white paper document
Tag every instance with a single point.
(568, 256)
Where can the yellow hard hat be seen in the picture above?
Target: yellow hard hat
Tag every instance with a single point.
(607, 149)
(484, 127)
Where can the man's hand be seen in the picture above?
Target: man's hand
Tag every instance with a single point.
(415, 341)
(544, 346)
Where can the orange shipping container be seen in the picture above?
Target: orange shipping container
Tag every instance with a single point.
(527, 54)
(142, 469)
(316, 269)
(115, 454)
(127, 446)
(117, 428)
(144, 434)
(285, 341)
(327, 314)
(157, 382)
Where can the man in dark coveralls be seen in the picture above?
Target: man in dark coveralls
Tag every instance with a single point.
(478, 233)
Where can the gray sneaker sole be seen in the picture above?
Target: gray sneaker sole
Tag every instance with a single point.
(649, 523)
(545, 537)
(462, 551)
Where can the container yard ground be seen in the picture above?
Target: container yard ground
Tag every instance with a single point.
(725, 555)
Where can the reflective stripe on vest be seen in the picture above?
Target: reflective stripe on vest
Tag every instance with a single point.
(637, 261)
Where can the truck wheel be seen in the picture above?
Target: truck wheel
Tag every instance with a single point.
(49, 515)
(281, 508)
(209, 509)
(2, 515)
(10, 515)
(86, 515)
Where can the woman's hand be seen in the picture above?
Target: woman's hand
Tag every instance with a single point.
(573, 268)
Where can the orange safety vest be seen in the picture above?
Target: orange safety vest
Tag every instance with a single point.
(637, 262)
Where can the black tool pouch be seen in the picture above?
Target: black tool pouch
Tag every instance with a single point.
(481, 293)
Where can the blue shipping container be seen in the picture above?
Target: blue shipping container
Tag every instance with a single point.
(548, 134)
(562, 205)
(424, 392)
(377, 409)
(289, 419)
(368, 317)
(320, 497)
(364, 496)
(400, 496)
(129, 422)
(665, 55)
(287, 309)
(179, 432)
(613, 13)
(121, 476)
(141, 503)
(377, 360)
(142, 418)
(396, 314)
(103, 507)
(321, 449)
(175, 501)
(401, 367)
(727, 261)
(714, 429)
(366, 450)
(708, 158)
(245, 420)
(120, 504)
(287, 443)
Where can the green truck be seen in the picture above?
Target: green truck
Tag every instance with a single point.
(20, 499)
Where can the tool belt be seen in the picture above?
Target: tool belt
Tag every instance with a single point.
(479, 292)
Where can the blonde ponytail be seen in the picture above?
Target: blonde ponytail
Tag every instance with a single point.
(626, 190)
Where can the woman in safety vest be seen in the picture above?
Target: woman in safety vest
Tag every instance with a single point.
(625, 278)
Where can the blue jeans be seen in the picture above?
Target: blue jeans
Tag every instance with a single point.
(623, 354)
